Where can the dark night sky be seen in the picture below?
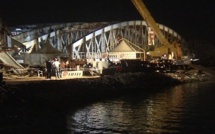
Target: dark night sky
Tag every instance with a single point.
(190, 18)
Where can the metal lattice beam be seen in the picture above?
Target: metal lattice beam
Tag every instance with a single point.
(89, 40)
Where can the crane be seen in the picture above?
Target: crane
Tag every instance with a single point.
(167, 47)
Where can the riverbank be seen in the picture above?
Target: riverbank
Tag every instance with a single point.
(84, 89)
(81, 89)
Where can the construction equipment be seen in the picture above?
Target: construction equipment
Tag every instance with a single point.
(167, 48)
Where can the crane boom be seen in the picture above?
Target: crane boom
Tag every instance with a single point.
(144, 12)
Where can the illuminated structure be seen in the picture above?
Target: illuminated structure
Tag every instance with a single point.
(170, 48)
(91, 40)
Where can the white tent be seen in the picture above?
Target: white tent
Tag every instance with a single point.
(126, 50)
(123, 47)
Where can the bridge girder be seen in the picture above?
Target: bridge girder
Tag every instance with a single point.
(106, 39)
(90, 40)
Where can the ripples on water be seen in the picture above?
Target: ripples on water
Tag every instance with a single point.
(185, 108)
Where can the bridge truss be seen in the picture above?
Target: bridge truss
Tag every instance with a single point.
(91, 40)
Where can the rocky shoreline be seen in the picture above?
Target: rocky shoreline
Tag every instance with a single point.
(77, 90)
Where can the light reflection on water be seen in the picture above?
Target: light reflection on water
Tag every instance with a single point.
(185, 108)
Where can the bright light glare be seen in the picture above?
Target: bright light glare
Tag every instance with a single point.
(18, 29)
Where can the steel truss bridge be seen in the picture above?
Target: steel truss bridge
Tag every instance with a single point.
(90, 40)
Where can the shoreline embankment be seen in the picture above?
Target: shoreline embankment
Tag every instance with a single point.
(84, 89)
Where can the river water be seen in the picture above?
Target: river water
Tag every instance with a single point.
(187, 108)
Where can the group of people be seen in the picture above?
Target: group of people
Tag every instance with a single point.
(53, 65)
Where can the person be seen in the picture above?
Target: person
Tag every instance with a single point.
(56, 66)
(48, 69)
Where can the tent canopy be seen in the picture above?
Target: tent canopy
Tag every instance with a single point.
(126, 50)
(39, 57)
(123, 47)
(47, 49)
